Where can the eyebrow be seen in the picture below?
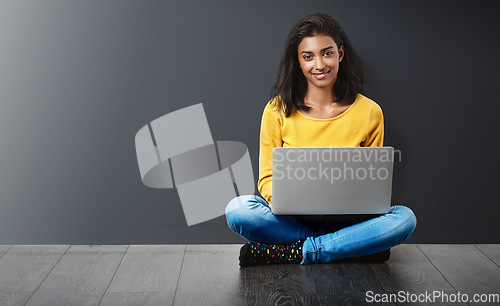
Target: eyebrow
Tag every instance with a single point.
(321, 50)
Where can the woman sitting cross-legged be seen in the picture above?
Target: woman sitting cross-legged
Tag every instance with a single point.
(317, 103)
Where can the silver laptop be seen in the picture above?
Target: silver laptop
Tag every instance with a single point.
(332, 180)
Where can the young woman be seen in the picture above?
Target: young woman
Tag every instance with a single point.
(317, 103)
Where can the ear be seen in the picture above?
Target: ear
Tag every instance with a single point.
(341, 53)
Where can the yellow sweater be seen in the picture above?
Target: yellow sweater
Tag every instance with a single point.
(361, 125)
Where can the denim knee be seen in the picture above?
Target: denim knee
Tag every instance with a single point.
(238, 202)
(235, 211)
(247, 214)
(408, 220)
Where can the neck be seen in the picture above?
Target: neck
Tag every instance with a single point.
(319, 97)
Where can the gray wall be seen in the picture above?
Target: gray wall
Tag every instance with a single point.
(78, 79)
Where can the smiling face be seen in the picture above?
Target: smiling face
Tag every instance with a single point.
(319, 59)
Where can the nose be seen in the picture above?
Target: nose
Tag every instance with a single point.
(318, 63)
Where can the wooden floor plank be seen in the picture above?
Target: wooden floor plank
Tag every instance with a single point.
(411, 276)
(287, 284)
(342, 283)
(4, 248)
(492, 251)
(468, 271)
(80, 277)
(93, 248)
(24, 267)
(149, 268)
(447, 247)
(209, 275)
(409, 269)
(38, 249)
(14, 298)
(137, 298)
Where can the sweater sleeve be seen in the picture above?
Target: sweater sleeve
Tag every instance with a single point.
(375, 136)
(270, 138)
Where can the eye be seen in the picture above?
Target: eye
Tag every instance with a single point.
(307, 57)
(327, 53)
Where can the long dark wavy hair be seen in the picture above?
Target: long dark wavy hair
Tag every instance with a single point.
(291, 87)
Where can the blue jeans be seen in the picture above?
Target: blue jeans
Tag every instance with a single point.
(326, 238)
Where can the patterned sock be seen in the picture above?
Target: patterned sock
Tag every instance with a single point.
(254, 253)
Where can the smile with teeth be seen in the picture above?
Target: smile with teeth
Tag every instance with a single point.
(321, 75)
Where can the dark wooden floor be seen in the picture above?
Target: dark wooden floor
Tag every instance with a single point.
(210, 275)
